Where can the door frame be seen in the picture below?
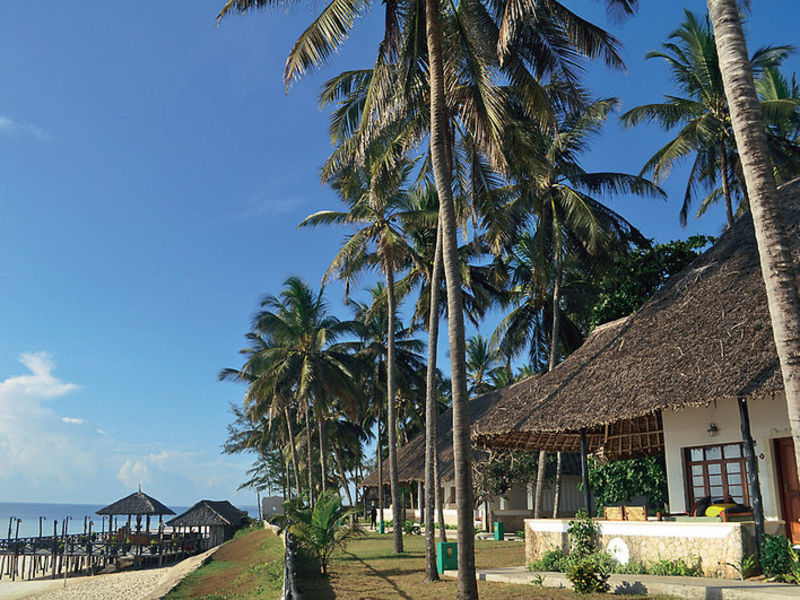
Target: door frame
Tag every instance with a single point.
(782, 488)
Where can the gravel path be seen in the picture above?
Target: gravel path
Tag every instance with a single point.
(131, 585)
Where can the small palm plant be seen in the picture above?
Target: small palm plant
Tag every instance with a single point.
(321, 530)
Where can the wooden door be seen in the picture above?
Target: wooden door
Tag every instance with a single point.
(789, 487)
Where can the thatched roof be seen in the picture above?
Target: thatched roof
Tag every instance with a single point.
(411, 457)
(137, 503)
(210, 512)
(704, 337)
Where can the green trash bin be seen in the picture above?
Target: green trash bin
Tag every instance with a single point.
(499, 531)
(446, 556)
(380, 527)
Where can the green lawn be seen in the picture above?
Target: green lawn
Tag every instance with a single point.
(248, 567)
(368, 570)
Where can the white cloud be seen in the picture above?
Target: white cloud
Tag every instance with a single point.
(11, 128)
(133, 474)
(50, 457)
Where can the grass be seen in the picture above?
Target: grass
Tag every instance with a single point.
(248, 567)
(369, 570)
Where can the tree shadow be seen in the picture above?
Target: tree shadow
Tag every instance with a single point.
(384, 575)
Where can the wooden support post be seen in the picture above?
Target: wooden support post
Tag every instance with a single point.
(587, 493)
(753, 484)
(54, 551)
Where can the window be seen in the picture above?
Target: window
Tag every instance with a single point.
(716, 471)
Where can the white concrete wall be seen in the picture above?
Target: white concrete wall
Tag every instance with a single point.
(570, 502)
(689, 427)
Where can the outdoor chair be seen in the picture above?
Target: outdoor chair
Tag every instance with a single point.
(636, 513)
(614, 513)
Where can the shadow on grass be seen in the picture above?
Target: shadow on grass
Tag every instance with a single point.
(312, 584)
(383, 574)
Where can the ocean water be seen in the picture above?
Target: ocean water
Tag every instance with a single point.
(29, 513)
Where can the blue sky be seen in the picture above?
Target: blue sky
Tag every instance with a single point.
(152, 174)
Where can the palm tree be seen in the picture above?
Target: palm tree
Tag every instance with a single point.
(380, 207)
(302, 354)
(701, 112)
(572, 225)
(320, 531)
(481, 361)
(262, 399)
(777, 266)
(547, 35)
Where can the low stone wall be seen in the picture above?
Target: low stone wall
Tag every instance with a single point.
(715, 544)
(512, 520)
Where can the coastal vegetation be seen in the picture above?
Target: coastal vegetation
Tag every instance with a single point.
(458, 159)
(249, 566)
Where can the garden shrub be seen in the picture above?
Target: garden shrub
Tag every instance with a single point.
(689, 567)
(552, 560)
(588, 577)
(582, 535)
(776, 555)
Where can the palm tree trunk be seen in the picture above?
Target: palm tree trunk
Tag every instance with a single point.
(726, 188)
(541, 467)
(438, 497)
(555, 334)
(462, 459)
(321, 429)
(557, 491)
(310, 457)
(380, 469)
(391, 425)
(292, 449)
(431, 484)
(777, 267)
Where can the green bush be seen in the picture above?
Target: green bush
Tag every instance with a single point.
(632, 568)
(411, 528)
(582, 535)
(552, 560)
(520, 534)
(776, 555)
(689, 567)
(588, 577)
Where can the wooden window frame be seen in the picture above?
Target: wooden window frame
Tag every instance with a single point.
(688, 463)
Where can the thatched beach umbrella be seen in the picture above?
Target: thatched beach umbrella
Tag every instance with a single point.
(137, 504)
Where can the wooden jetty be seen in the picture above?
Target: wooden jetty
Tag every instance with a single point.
(58, 556)
(89, 553)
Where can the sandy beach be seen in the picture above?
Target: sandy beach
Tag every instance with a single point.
(129, 585)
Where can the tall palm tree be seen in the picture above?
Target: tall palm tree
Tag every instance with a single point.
(777, 266)
(482, 359)
(546, 35)
(572, 225)
(380, 207)
(262, 399)
(302, 354)
(701, 112)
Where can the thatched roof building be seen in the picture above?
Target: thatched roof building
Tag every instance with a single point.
(705, 337)
(208, 513)
(411, 457)
(137, 503)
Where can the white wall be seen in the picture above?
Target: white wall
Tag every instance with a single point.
(689, 427)
(570, 501)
